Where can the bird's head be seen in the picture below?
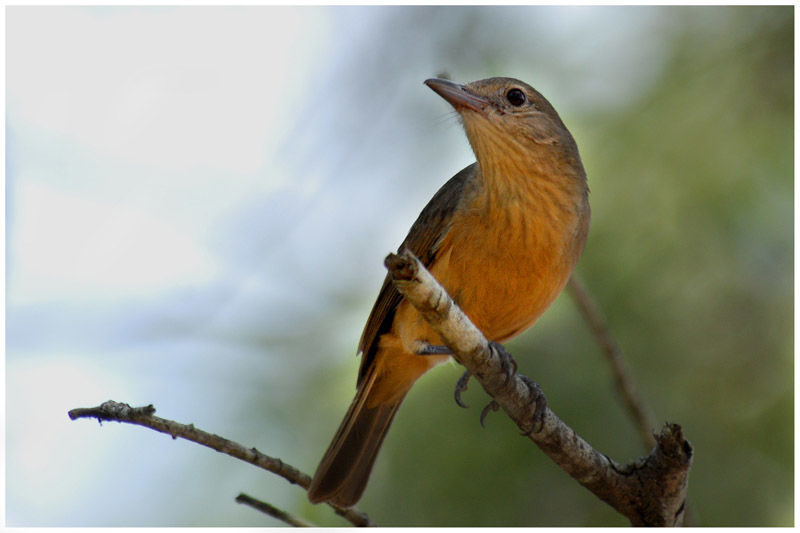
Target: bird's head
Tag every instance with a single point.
(507, 118)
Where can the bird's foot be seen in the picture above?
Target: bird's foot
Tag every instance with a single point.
(507, 362)
(535, 392)
(436, 349)
(537, 396)
(509, 366)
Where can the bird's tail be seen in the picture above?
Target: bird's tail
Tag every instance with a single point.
(344, 470)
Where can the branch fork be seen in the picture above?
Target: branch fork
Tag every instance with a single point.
(144, 416)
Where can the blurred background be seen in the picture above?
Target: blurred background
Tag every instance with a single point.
(199, 201)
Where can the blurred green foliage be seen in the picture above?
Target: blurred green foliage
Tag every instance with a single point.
(690, 257)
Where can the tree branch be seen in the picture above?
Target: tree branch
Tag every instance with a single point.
(650, 492)
(272, 511)
(642, 415)
(143, 416)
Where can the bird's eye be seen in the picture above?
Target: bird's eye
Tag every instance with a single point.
(515, 97)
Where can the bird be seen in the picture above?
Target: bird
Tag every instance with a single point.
(502, 236)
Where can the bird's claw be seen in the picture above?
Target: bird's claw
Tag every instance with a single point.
(537, 396)
(461, 386)
(509, 366)
(507, 362)
(491, 406)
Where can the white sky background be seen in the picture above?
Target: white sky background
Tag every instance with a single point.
(180, 179)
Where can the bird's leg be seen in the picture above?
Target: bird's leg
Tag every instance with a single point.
(433, 349)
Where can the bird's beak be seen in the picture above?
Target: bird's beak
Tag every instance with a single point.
(458, 95)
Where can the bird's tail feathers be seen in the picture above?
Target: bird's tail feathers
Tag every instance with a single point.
(344, 470)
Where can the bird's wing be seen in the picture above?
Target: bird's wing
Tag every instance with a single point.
(423, 240)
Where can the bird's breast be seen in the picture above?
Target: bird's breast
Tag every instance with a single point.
(505, 265)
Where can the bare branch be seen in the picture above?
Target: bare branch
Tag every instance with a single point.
(640, 412)
(143, 416)
(650, 492)
(642, 415)
(272, 511)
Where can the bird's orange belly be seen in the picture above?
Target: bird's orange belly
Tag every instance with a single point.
(501, 293)
(503, 283)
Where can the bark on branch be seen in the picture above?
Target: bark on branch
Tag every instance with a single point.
(649, 492)
(143, 416)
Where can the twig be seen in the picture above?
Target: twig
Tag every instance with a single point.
(650, 492)
(143, 416)
(642, 415)
(272, 511)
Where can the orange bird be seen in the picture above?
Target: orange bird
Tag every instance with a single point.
(502, 237)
